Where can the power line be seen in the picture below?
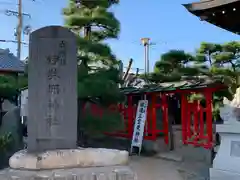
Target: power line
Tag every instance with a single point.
(16, 13)
(19, 27)
(12, 41)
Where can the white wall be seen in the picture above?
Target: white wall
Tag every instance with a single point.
(24, 102)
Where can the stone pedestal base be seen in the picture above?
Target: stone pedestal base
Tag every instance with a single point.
(70, 158)
(70, 164)
(226, 164)
(93, 173)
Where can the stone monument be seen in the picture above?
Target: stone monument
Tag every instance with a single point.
(52, 90)
(52, 151)
(226, 164)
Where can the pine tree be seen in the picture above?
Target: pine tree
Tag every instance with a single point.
(223, 63)
(219, 62)
(94, 23)
(172, 66)
(98, 77)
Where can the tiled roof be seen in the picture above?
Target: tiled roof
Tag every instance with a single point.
(205, 10)
(207, 4)
(141, 86)
(9, 62)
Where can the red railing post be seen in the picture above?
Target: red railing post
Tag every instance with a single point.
(188, 120)
(184, 118)
(208, 96)
(201, 121)
(165, 117)
(130, 116)
(154, 117)
(125, 112)
(196, 122)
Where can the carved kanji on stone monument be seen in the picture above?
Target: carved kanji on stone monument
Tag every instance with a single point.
(52, 89)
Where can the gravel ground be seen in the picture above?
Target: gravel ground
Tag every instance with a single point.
(149, 168)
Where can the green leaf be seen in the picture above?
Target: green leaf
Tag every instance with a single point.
(222, 58)
(232, 47)
(209, 48)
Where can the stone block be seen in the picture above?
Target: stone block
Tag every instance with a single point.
(88, 157)
(93, 173)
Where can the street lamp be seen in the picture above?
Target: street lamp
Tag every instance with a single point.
(145, 43)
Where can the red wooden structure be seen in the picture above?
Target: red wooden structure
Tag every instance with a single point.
(196, 129)
(151, 132)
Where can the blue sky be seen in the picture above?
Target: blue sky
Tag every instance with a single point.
(166, 22)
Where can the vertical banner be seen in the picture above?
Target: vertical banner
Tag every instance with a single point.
(140, 120)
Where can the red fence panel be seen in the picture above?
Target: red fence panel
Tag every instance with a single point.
(128, 112)
(196, 130)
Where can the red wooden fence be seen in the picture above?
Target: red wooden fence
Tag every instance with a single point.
(196, 129)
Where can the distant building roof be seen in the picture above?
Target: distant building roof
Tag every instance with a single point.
(10, 63)
(139, 85)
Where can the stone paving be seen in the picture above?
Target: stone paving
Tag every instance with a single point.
(92, 173)
(145, 168)
(150, 168)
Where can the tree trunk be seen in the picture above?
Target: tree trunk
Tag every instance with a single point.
(87, 32)
(128, 69)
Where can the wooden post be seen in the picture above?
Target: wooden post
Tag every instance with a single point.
(208, 95)
(183, 118)
(130, 116)
(154, 117)
(165, 118)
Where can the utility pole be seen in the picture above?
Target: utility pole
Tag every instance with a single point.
(19, 29)
(145, 43)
